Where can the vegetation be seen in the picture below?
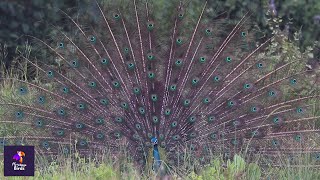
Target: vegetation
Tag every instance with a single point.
(23, 17)
(237, 168)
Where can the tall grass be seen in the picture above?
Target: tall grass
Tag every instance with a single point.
(67, 168)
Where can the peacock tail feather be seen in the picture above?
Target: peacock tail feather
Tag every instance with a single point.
(202, 84)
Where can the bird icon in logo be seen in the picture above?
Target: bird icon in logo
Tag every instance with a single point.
(18, 156)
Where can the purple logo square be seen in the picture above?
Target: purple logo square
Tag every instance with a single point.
(18, 160)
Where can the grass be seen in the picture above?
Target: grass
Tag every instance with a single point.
(103, 167)
(68, 170)
(79, 168)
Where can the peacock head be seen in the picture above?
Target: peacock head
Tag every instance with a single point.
(154, 140)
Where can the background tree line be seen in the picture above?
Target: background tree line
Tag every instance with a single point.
(300, 19)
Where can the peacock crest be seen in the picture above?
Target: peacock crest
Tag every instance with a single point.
(201, 84)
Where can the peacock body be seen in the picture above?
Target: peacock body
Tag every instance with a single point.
(199, 84)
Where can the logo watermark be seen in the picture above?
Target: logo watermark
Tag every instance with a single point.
(18, 160)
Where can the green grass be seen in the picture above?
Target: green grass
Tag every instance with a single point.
(69, 169)
(66, 170)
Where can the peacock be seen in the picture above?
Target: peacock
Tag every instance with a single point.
(203, 84)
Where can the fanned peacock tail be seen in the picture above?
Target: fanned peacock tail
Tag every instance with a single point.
(203, 84)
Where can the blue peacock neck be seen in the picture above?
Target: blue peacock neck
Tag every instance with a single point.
(156, 155)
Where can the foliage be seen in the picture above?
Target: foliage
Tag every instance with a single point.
(298, 16)
(303, 17)
(24, 18)
(69, 169)
(27, 17)
(236, 169)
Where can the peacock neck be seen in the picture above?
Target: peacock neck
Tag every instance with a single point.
(156, 157)
(156, 152)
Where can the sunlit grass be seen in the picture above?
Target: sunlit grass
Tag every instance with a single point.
(237, 168)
